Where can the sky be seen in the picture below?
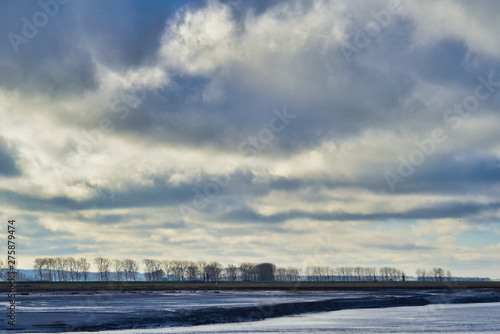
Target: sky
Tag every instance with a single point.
(300, 132)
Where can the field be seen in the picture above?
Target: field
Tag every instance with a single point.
(243, 286)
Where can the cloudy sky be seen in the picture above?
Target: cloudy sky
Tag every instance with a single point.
(302, 132)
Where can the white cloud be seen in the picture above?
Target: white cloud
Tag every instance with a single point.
(474, 23)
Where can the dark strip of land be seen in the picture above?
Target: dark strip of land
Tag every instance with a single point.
(245, 286)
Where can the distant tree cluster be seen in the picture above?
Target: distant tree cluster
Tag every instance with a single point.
(257, 272)
(317, 273)
(214, 271)
(116, 270)
(173, 270)
(287, 274)
(61, 269)
(69, 269)
(153, 271)
(435, 274)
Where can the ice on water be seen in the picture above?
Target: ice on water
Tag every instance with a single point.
(463, 318)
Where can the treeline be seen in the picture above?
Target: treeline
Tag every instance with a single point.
(62, 269)
(354, 274)
(435, 274)
(373, 274)
(70, 269)
(214, 271)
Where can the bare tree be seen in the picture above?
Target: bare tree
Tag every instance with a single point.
(192, 271)
(38, 266)
(60, 266)
(119, 269)
(247, 271)
(231, 272)
(103, 266)
(178, 269)
(390, 274)
(83, 267)
(292, 274)
(420, 274)
(265, 271)
(73, 269)
(51, 267)
(316, 273)
(130, 268)
(372, 273)
(438, 274)
(339, 273)
(280, 275)
(288, 274)
(153, 270)
(167, 269)
(358, 271)
(212, 271)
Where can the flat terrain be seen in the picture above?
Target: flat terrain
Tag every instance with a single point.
(243, 286)
(66, 311)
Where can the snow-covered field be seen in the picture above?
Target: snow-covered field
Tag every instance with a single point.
(465, 318)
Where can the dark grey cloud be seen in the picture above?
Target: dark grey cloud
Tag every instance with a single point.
(52, 59)
(178, 114)
(161, 193)
(442, 210)
(123, 34)
(58, 57)
(466, 173)
(364, 97)
(8, 160)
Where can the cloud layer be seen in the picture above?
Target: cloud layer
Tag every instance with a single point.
(297, 132)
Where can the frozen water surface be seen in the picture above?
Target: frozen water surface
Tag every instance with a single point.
(130, 302)
(466, 319)
(55, 311)
(160, 312)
